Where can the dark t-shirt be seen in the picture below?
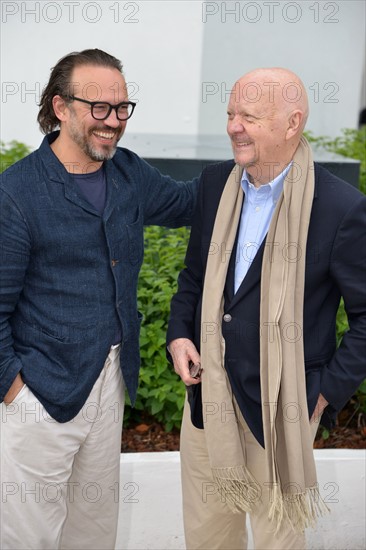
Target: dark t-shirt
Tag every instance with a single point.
(93, 187)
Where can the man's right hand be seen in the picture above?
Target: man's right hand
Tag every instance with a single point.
(183, 351)
(14, 390)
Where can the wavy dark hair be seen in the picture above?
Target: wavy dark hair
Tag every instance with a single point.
(60, 80)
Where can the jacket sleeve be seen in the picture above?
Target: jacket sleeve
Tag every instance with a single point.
(190, 281)
(166, 201)
(14, 257)
(346, 370)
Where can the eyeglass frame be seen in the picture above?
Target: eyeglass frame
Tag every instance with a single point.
(110, 107)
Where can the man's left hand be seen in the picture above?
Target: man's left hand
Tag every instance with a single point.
(319, 408)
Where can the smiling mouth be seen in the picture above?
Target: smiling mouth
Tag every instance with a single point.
(241, 144)
(105, 136)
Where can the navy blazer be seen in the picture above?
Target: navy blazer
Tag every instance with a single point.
(335, 267)
(68, 275)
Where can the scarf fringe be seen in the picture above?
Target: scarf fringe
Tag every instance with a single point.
(301, 510)
(238, 487)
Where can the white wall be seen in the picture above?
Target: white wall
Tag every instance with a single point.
(182, 56)
(158, 42)
(323, 42)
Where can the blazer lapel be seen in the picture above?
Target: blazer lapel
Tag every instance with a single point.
(250, 280)
(230, 276)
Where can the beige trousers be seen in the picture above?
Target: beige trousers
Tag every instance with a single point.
(59, 482)
(209, 523)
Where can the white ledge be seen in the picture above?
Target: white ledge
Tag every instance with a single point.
(151, 513)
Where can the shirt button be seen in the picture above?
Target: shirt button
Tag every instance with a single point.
(227, 318)
(114, 263)
(257, 208)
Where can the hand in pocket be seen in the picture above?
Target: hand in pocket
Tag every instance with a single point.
(14, 389)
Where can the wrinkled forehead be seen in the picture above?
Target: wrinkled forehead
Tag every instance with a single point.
(269, 92)
(95, 83)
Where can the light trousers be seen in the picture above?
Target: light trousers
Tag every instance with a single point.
(60, 481)
(209, 523)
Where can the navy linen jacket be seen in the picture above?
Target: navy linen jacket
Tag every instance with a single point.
(335, 267)
(68, 276)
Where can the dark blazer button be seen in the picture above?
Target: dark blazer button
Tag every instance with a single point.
(227, 318)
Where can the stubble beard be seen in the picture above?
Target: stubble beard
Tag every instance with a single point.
(81, 139)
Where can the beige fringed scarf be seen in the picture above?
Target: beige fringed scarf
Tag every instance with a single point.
(288, 442)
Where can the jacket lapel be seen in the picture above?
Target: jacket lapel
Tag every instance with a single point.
(250, 280)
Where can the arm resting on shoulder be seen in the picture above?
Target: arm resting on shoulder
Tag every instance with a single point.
(166, 201)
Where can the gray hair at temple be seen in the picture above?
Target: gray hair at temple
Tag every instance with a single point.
(60, 79)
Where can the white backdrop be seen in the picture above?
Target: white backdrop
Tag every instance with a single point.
(182, 57)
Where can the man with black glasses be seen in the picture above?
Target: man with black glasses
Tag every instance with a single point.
(72, 216)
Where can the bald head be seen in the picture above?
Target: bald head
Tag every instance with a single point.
(280, 88)
(267, 112)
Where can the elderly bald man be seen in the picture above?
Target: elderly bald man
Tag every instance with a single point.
(275, 244)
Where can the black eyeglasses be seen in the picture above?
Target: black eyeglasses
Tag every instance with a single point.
(100, 110)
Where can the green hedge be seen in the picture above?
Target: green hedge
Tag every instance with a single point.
(352, 144)
(161, 393)
(12, 152)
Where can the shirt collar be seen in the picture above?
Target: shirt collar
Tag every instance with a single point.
(274, 187)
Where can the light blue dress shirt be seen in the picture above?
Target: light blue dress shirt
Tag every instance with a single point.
(256, 215)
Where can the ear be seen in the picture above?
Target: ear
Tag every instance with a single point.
(294, 123)
(60, 107)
